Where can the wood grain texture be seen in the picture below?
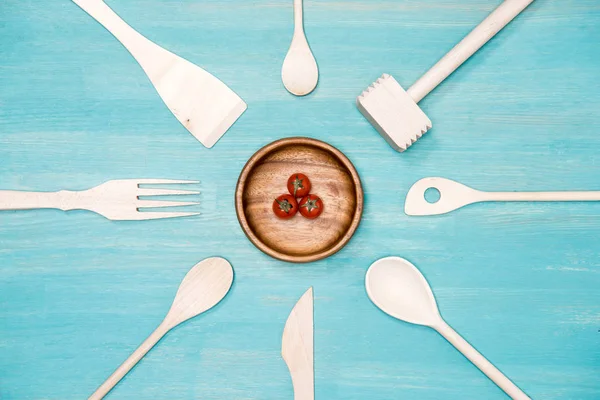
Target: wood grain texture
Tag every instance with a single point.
(333, 178)
(519, 280)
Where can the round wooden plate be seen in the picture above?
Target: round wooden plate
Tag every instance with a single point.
(333, 178)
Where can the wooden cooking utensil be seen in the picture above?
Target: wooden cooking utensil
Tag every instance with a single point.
(300, 72)
(394, 112)
(204, 286)
(297, 347)
(204, 105)
(399, 289)
(117, 200)
(454, 195)
(334, 179)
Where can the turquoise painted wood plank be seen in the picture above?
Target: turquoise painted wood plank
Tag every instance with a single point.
(521, 281)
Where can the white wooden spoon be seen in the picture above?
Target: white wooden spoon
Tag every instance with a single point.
(205, 285)
(454, 195)
(399, 289)
(299, 73)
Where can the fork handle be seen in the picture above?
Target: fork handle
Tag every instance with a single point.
(479, 36)
(17, 200)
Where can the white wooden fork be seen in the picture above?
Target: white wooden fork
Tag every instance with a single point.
(117, 200)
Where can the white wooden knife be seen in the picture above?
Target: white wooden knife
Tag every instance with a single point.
(297, 347)
(204, 105)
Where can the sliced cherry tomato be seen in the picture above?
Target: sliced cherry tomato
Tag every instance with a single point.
(285, 206)
(298, 185)
(311, 206)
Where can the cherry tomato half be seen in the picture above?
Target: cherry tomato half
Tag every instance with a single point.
(311, 206)
(298, 185)
(285, 206)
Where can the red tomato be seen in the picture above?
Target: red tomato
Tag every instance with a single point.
(311, 206)
(298, 185)
(285, 206)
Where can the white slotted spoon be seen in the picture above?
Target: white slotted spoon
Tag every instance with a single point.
(454, 195)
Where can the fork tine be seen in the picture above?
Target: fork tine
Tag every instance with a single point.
(163, 182)
(142, 216)
(165, 192)
(161, 203)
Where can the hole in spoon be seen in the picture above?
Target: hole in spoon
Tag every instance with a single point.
(432, 195)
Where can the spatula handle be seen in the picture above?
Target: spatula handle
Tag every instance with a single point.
(481, 362)
(129, 363)
(141, 48)
(479, 36)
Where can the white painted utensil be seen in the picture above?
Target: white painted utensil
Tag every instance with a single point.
(394, 112)
(299, 73)
(117, 200)
(204, 105)
(454, 195)
(400, 290)
(203, 287)
(297, 347)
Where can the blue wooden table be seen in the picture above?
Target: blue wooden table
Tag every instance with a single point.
(521, 282)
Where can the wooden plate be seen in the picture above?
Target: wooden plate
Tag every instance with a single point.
(333, 178)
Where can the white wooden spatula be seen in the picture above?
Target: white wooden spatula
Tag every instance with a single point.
(203, 104)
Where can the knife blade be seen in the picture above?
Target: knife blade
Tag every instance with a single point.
(297, 347)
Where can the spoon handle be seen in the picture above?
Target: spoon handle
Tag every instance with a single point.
(480, 362)
(298, 16)
(128, 364)
(541, 196)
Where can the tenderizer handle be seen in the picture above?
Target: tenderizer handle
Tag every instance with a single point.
(479, 36)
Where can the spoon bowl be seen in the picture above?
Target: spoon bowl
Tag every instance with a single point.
(453, 195)
(399, 289)
(202, 288)
(205, 285)
(300, 73)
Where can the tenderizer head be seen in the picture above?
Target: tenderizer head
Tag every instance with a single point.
(395, 115)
